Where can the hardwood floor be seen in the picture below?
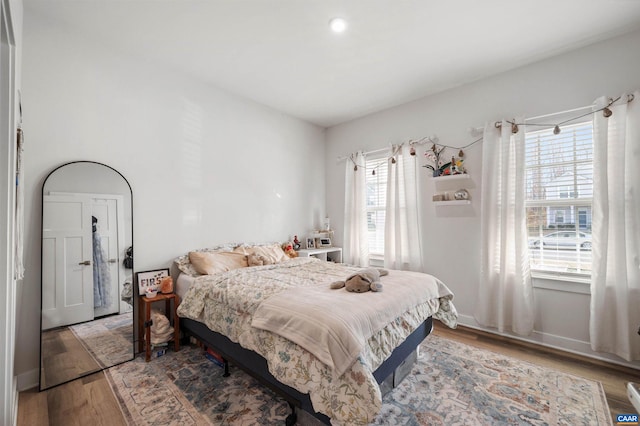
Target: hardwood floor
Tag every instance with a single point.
(66, 357)
(90, 401)
(86, 401)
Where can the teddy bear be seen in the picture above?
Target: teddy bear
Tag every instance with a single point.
(365, 280)
(257, 260)
(288, 249)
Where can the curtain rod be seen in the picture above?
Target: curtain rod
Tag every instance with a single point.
(569, 111)
(375, 151)
(478, 131)
(420, 141)
(605, 109)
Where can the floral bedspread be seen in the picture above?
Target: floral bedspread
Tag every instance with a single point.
(225, 302)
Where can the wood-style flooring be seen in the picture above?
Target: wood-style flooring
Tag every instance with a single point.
(90, 401)
(66, 358)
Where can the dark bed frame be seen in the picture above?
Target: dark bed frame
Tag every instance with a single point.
(256, 365)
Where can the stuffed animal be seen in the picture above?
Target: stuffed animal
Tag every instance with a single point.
(365, 280)
(257, 260)
(288, 249)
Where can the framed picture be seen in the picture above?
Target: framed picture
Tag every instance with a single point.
(324, 242)
(150, 279)
(311, 243)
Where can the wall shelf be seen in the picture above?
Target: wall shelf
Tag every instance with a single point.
(460, 177)
(446, 186)
(452, 202)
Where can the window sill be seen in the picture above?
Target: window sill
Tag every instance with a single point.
(580, 284)
(376, 260)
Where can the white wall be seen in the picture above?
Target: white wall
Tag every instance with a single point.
(206, 167)
(451, 235)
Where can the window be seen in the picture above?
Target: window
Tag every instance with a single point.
(559, 185)
(376, 204)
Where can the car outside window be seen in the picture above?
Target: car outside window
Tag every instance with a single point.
(376, 180)
(559, 185)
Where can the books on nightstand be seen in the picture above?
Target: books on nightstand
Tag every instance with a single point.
(214, 357)
(159, 350)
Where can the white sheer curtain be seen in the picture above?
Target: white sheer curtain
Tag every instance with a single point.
(402, 243)
(356, 247)
(505, 294)
(615, 275)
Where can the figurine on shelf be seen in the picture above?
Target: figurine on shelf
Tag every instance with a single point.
(296, 243)
(458, 164)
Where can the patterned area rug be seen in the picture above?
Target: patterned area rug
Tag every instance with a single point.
(109, 340)
(451, 384)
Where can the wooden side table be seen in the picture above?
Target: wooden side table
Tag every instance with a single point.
(144, 321)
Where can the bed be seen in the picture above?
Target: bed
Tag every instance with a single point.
(230, 306)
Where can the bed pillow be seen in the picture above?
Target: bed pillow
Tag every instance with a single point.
(185, 266)
(272, 252)
(213, 263)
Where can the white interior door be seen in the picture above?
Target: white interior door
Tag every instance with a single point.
(108, 209)
(67, 271)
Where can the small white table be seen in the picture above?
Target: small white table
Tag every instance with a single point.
(330, 254)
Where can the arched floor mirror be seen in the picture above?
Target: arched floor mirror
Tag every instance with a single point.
(87, 313)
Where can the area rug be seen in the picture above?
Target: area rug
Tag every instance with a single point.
(451, 384)
(109, 340)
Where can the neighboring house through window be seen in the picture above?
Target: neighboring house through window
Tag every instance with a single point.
(376, 205)
(559, 185)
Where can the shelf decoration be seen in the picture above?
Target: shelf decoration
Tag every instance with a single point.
(439, 167)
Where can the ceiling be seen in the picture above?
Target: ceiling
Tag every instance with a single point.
(281, 53)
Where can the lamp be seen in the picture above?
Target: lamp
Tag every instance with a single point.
(338, 25)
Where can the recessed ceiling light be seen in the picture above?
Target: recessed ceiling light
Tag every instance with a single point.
(338, 25)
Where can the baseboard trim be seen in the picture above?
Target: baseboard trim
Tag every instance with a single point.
(28, 380)
(560, 343)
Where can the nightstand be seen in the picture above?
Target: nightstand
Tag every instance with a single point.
(333, 254)
(144, 321)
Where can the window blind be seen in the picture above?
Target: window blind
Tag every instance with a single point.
(376, 203)
(559, 190)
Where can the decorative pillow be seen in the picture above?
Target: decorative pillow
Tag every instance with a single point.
(212, 263)
(272, 253)
(185, 266)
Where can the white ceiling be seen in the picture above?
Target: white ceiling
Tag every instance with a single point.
(281, 53)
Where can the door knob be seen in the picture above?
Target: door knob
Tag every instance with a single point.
(113, 260)
(86, 262)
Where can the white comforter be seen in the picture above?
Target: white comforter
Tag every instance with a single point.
(226, 303)
(334, 325)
